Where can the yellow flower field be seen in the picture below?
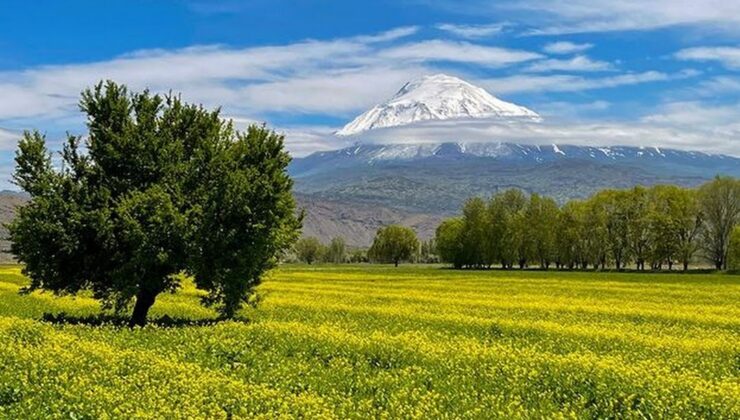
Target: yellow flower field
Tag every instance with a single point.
(380, 342)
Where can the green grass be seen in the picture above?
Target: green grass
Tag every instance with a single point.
(379, 342)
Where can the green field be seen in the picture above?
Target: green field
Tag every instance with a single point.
(378, 342)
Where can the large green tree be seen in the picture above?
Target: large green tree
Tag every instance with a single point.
(156, 189)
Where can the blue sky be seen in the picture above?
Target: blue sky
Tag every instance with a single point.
(659, 73)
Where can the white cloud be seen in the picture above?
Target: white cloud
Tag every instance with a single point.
(555, 17)
(389, 35)
(574, 64)
(565, 47)
(570, 110)
(472, 31)
(571, 83)
(334, 91)
(302, 141)
(717, 86)
(728, 56)
(461, 52)
(574, 16)
(692, 113)
(642, 133)
(8, 139)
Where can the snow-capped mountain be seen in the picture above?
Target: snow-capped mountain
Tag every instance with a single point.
(503, 152)
(436, 97)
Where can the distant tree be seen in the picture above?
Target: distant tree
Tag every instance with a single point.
(336, 252)
(505, 235)
(595, 234)
(542, 215)
(719, 202)
(733, 254)
(522, 237)
(309, 250)
(687, 221)
(570, 236)
(475, 226)
(635, 208)
(428, 251)
(394, 244)
(449, 242)
(675, 223)
(161, 188)
(614, 206)
(358, 255)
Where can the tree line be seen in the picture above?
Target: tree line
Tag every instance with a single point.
(654, 227)
(392, 244)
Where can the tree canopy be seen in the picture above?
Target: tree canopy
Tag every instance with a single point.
(720, 206)
(156, 189)
(393, 244)
(733, 255)
(309, 250)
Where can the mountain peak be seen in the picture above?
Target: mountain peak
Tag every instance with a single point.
(435, 97)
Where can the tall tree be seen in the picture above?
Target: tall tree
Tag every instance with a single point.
(595, 233)
(675, 223)
(719, 201)
(635, 205)
(733, 254)
(428, 251)
(613, 204)
(570, 235)
(475, 227)
(450, 242)
(507, 212)
(336, 252)
(542, 216)
(161, 188)
(393, 244)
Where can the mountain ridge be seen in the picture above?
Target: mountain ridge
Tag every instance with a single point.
(505, 151)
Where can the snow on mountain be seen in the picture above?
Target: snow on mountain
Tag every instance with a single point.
(436, 97)
(503, 152)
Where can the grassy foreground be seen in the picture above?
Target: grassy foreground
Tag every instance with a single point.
(363, 342)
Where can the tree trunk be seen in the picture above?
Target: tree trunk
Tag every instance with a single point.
(144, 301)
(395, 263)
(686, 265)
